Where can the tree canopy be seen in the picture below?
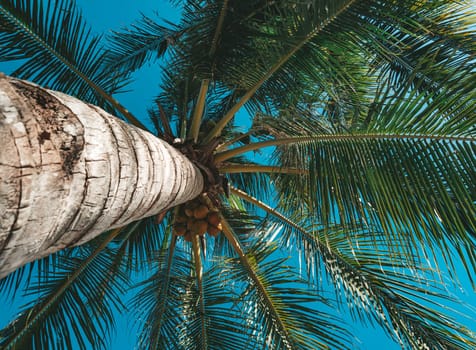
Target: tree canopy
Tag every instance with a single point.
(356, 160)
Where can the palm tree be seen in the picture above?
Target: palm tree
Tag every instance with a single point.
(364, 114)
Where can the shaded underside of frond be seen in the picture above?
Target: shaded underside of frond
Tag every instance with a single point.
(418, 192)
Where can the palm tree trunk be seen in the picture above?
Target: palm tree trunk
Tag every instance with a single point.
(69, 171)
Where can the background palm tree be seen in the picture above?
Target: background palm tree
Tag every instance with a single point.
(368, 108)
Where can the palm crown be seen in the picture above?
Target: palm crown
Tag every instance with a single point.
(365, 112)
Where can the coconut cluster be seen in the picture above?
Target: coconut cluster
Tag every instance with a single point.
(197, 217)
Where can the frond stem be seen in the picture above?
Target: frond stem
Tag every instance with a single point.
(199, 275)
(233, 240)
(199, 108)
(165, 122)
(128, 115)
(233, 140)
(222, 156)
(245, 168)
(198, 111)
(245, 196)
(256, 11)
(183, 118)
(216, 36)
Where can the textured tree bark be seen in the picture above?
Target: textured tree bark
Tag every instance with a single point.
(69, 171)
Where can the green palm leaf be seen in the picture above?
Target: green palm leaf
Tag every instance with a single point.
(363, 113)
(169, 303)
(57, 46)
(407, 304)
(138, 244)
(407, 172)
(23, 278)
(75, 302)
(378, 281)
(281, 316)
(146, 40)
(158, 300)
(58, 51)
(214, 319)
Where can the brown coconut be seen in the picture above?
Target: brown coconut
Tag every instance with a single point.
(213, 230)
(213, 218)
(200, 212)
(200, 227)
(181, 219)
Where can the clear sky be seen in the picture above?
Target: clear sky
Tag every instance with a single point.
(104, 15)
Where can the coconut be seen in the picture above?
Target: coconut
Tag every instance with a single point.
(213, 218)
(200, 212)
(200, 227)
(181, 219)
(190, 224)
(213, 230)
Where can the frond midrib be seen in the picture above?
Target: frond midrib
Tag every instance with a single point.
(258, 168)
(255, 278)
(225, 155)
(201, 295)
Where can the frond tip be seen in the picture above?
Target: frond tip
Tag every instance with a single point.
(57, 51)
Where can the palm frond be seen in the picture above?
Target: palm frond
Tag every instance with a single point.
(197, 256)
(407, 172)
(139, 242)
(414, 196)
(178, 316)
(304, 34)
(338, 47)
(253, 181)
(217, 318)
(196, 119)
(74, 303)
(226, 322)
(379, 283)
(158, 300)
(251, 168)
(243, 225)
(281, 315)
(21, 279)
(442, 32)
(58, 51)
(139, 43)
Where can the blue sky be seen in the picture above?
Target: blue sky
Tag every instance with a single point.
(106, 15)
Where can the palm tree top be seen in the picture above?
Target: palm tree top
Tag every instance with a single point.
(357, 162)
